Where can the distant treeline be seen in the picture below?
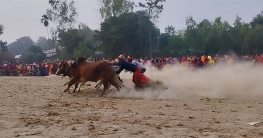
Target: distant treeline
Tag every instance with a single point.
(124, 31)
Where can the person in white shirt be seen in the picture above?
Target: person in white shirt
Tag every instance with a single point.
(137, 63)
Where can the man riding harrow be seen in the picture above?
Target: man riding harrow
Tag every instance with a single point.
(81, 71)
(139, 79)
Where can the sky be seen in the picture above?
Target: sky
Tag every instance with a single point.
(22, 17)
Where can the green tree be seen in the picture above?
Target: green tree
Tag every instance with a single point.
(1, 29)
(4, 54)
(62, 54)
(33, 54)
(44, 20)
(191, 36)
(222, 37)
(153, 8)
(20, 45)
(3, 50)
(238, 33)
(62, 13)
(170, 30)
(44, 43)
(145, 25)
(76, 41)
(3, 47)
(110, 8)
(257, 20)
(83, 50)
(127, 34)
(215, 37)
(164, 40)
(176, 46)
(35, 49)
(253, 41)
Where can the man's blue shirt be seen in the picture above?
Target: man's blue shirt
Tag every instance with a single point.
(126, 65)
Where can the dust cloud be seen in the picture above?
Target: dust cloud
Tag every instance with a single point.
(239, 82)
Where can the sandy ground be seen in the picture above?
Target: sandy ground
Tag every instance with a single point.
(37, 107)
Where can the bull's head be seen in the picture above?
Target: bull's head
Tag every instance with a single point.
(61, 68)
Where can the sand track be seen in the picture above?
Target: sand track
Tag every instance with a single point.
(37, 107)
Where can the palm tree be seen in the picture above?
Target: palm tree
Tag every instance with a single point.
(44, 20)
(3, 48)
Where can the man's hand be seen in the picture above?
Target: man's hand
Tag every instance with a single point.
(120, 79)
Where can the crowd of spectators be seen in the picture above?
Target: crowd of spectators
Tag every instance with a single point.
(34, 69)
(48, 68)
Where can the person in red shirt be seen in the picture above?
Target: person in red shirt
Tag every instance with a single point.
(138, 77)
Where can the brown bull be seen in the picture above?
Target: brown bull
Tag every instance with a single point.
(93, 71)
(66, 69)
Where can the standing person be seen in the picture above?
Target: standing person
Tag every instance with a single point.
(138, 77)
(137, 63)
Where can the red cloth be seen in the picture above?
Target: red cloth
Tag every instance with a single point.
(139, 76)
(260, 59)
